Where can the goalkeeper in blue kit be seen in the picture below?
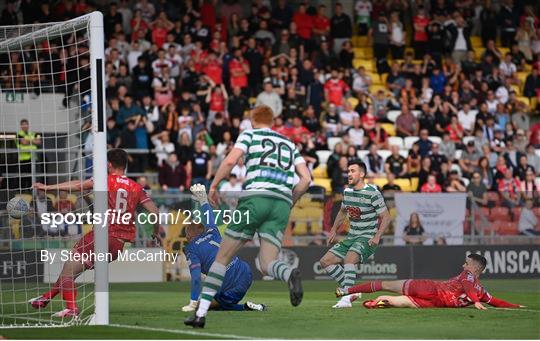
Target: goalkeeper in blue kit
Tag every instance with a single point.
(203, 244)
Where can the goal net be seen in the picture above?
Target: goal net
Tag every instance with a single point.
(51, 131)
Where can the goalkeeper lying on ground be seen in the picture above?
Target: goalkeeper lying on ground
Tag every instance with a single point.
(201, 250)
(457, 292)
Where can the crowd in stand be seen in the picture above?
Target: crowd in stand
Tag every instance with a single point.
(181, 76)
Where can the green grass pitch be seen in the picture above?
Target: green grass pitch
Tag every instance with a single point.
(153, 311)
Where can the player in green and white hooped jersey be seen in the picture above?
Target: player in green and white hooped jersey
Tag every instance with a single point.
(265, 204)
(363, 204)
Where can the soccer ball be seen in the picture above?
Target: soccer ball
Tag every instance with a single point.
(17, 208)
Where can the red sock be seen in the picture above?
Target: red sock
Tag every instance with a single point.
(366, 287)
(69, 293)
(54, 290)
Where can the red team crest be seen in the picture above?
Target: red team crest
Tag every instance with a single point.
(354, 212)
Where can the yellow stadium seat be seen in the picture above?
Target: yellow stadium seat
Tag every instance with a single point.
(376, 79)
(409, 50)
(298, 217)
(363, 52)
(315, 215)
(302, 217)
(380, 181)
(516, 89)
(524, 100)
(414, 183)
(252, 100)
(320, 172)
(325, 183)
(522, 76)
(478, 53)
(405, 185)
(504, 50)
(389, 128)
(353, 101)
(360, 41)
(476, 41)
(534, 103)
(367, 64)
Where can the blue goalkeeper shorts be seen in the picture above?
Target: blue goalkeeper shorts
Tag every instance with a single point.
(234, 287)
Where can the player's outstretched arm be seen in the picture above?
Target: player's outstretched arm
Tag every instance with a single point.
(498, 303)
(470, 291)
(303, 185)
(207, 214)
(75, 185)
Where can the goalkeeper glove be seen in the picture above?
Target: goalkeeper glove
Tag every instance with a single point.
(190, 307)
(199, 193)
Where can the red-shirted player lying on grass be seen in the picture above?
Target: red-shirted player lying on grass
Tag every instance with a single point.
(458, 292)
(124, 195)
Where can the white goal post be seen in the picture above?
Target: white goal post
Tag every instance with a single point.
(30, 89)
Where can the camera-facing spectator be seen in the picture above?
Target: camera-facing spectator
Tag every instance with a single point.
(528, 221)
(413, 233)
(172, 175)
(431, 186)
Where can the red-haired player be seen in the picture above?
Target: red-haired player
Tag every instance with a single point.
(458, 292)
(123, 196)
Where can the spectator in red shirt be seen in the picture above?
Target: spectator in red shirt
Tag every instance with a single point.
(280, 127)
(420, 22)
(239, 70)
(212, 68)
(304, 22)
(534, 138)
(208, 14)
(455, 130)
(298, 131)
(321, 23)
(431, 186)
(509, 189)
(160, 28)
(369, 120)
(335, 89)
(216, 98)
(139, 26)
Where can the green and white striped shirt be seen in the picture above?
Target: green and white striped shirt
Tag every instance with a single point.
(270, 159)
(363, 209)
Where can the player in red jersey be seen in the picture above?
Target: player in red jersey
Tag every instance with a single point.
(458, 292)
(123, 196)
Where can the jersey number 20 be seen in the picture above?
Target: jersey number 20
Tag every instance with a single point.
(284, 152)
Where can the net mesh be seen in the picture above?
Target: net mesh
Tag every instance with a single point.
(45, 136)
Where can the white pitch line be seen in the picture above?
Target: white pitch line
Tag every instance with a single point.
(186, 332)
(517, 309)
